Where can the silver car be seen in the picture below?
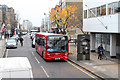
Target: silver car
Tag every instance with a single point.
(11, 43)
(16, 37)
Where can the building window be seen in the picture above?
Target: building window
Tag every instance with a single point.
(99, 38)
(85, 13)
(103, 10)
(110, 9)
(117, 7)
(89, 13)
(93, 12)
(108, 39)
(98, 11)
(114, 8)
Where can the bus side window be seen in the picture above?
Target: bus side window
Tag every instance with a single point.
(44, 44)
(40, 41)
(36, 40)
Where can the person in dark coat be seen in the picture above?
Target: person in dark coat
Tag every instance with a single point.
(21, 41)
(100, 51)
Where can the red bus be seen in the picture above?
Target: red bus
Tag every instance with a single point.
(52, 46)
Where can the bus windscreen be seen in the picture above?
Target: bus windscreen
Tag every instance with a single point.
(57, 44)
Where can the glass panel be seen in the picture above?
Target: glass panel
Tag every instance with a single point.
(57, 44)
(44, 44)
(89, 13)
(103, 10)
(119, 6)
(110, 8)
(85, 13)
(98, 11)
(93, 12)
(114, 7)
(108, 39)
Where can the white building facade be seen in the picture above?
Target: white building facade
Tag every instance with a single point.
(27, 25)
(102, 19)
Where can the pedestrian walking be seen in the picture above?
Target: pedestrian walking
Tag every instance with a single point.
(21, 41)
(100, 51)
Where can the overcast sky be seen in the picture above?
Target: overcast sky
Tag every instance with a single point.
(32, 10)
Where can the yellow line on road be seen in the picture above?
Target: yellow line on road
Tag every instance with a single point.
(81, 69)
(6, 53)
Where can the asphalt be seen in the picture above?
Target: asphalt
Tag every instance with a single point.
(47, 69)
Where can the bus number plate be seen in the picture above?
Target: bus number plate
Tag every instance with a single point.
(57, 58)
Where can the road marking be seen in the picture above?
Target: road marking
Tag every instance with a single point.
(33, 54)
(37, 60)
(6, 53)
(45, 71)
(81, 69)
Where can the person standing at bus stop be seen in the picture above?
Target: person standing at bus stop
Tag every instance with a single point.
(21, 41)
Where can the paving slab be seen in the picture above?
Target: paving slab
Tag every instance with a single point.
(104, 68)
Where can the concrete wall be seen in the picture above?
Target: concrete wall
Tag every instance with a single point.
(94, 25)
(119, 23)
(118, 43)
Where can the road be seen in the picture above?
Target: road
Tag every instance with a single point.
(49, 69)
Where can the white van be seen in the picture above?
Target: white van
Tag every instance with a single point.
(15, 67)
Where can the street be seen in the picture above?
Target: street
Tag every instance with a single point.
(47, 69)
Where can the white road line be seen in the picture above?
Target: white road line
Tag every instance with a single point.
(37, 60)
(45, 71)
(33, 54)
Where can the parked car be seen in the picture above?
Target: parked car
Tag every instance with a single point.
(11, 43)
(33, 32)
(16, 37)
(32, 35)
(24, 33)
(33, 43)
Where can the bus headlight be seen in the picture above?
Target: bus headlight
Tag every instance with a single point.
(48, 54)
(66, 54)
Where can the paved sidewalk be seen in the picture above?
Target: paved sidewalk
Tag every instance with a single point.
(2, 48)
(104, 68)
